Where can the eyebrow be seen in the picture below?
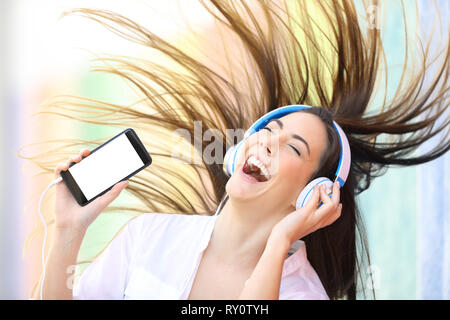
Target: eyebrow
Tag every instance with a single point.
(295, 136)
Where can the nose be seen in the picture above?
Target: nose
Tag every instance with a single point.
(267, 149)
(265, 146)
(269, 142)
(268, 145)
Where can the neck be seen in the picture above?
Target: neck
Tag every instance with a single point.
(241, 232)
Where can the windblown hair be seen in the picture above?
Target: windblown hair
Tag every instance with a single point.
(268, 54)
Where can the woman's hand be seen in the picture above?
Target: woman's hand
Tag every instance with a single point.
(69, 214)
(265, 280)
(310, 218)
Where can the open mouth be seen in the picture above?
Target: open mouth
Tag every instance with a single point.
(256, 169)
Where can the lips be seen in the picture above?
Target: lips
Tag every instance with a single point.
(247, 177)
(255, 170)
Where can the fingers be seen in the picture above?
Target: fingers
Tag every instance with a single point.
(324, 196)
(76, 158)
(115, 190)
(332, 217)
(60, 167)
(104, 200)
(336, 193)
(84, 153)
(331, 209)
(313, 202)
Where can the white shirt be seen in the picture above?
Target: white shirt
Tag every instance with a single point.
(156, 256)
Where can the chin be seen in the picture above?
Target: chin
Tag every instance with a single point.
(241, 188)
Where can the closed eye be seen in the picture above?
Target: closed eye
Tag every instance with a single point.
(295, 149)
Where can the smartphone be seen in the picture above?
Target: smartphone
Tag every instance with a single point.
(116, 160)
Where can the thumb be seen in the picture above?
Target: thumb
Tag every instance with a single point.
(112, 194)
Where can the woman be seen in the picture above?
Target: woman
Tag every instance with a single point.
(248, 242)
(287, 58)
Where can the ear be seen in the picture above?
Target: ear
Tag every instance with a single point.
(292, 205)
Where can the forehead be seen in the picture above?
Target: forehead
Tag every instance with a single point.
(302, 119)
(309, 126)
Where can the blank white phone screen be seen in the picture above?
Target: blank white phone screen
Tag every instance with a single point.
(106, 166)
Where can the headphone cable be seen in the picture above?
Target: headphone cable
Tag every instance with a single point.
(221, 205)
(45, 235)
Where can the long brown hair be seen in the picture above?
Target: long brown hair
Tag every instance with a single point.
(271, 54)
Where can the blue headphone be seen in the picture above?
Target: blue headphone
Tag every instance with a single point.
(344, 159)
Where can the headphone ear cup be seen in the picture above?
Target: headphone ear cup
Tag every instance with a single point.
(228, 159)
(307, 191)
(231, 156)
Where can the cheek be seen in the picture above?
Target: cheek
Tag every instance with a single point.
(293, 174)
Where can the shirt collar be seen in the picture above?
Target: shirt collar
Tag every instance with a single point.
(296, 260)
(207, 232)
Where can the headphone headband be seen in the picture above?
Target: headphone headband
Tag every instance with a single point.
(343, 168)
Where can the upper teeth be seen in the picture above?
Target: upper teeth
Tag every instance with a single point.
(253, 160)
